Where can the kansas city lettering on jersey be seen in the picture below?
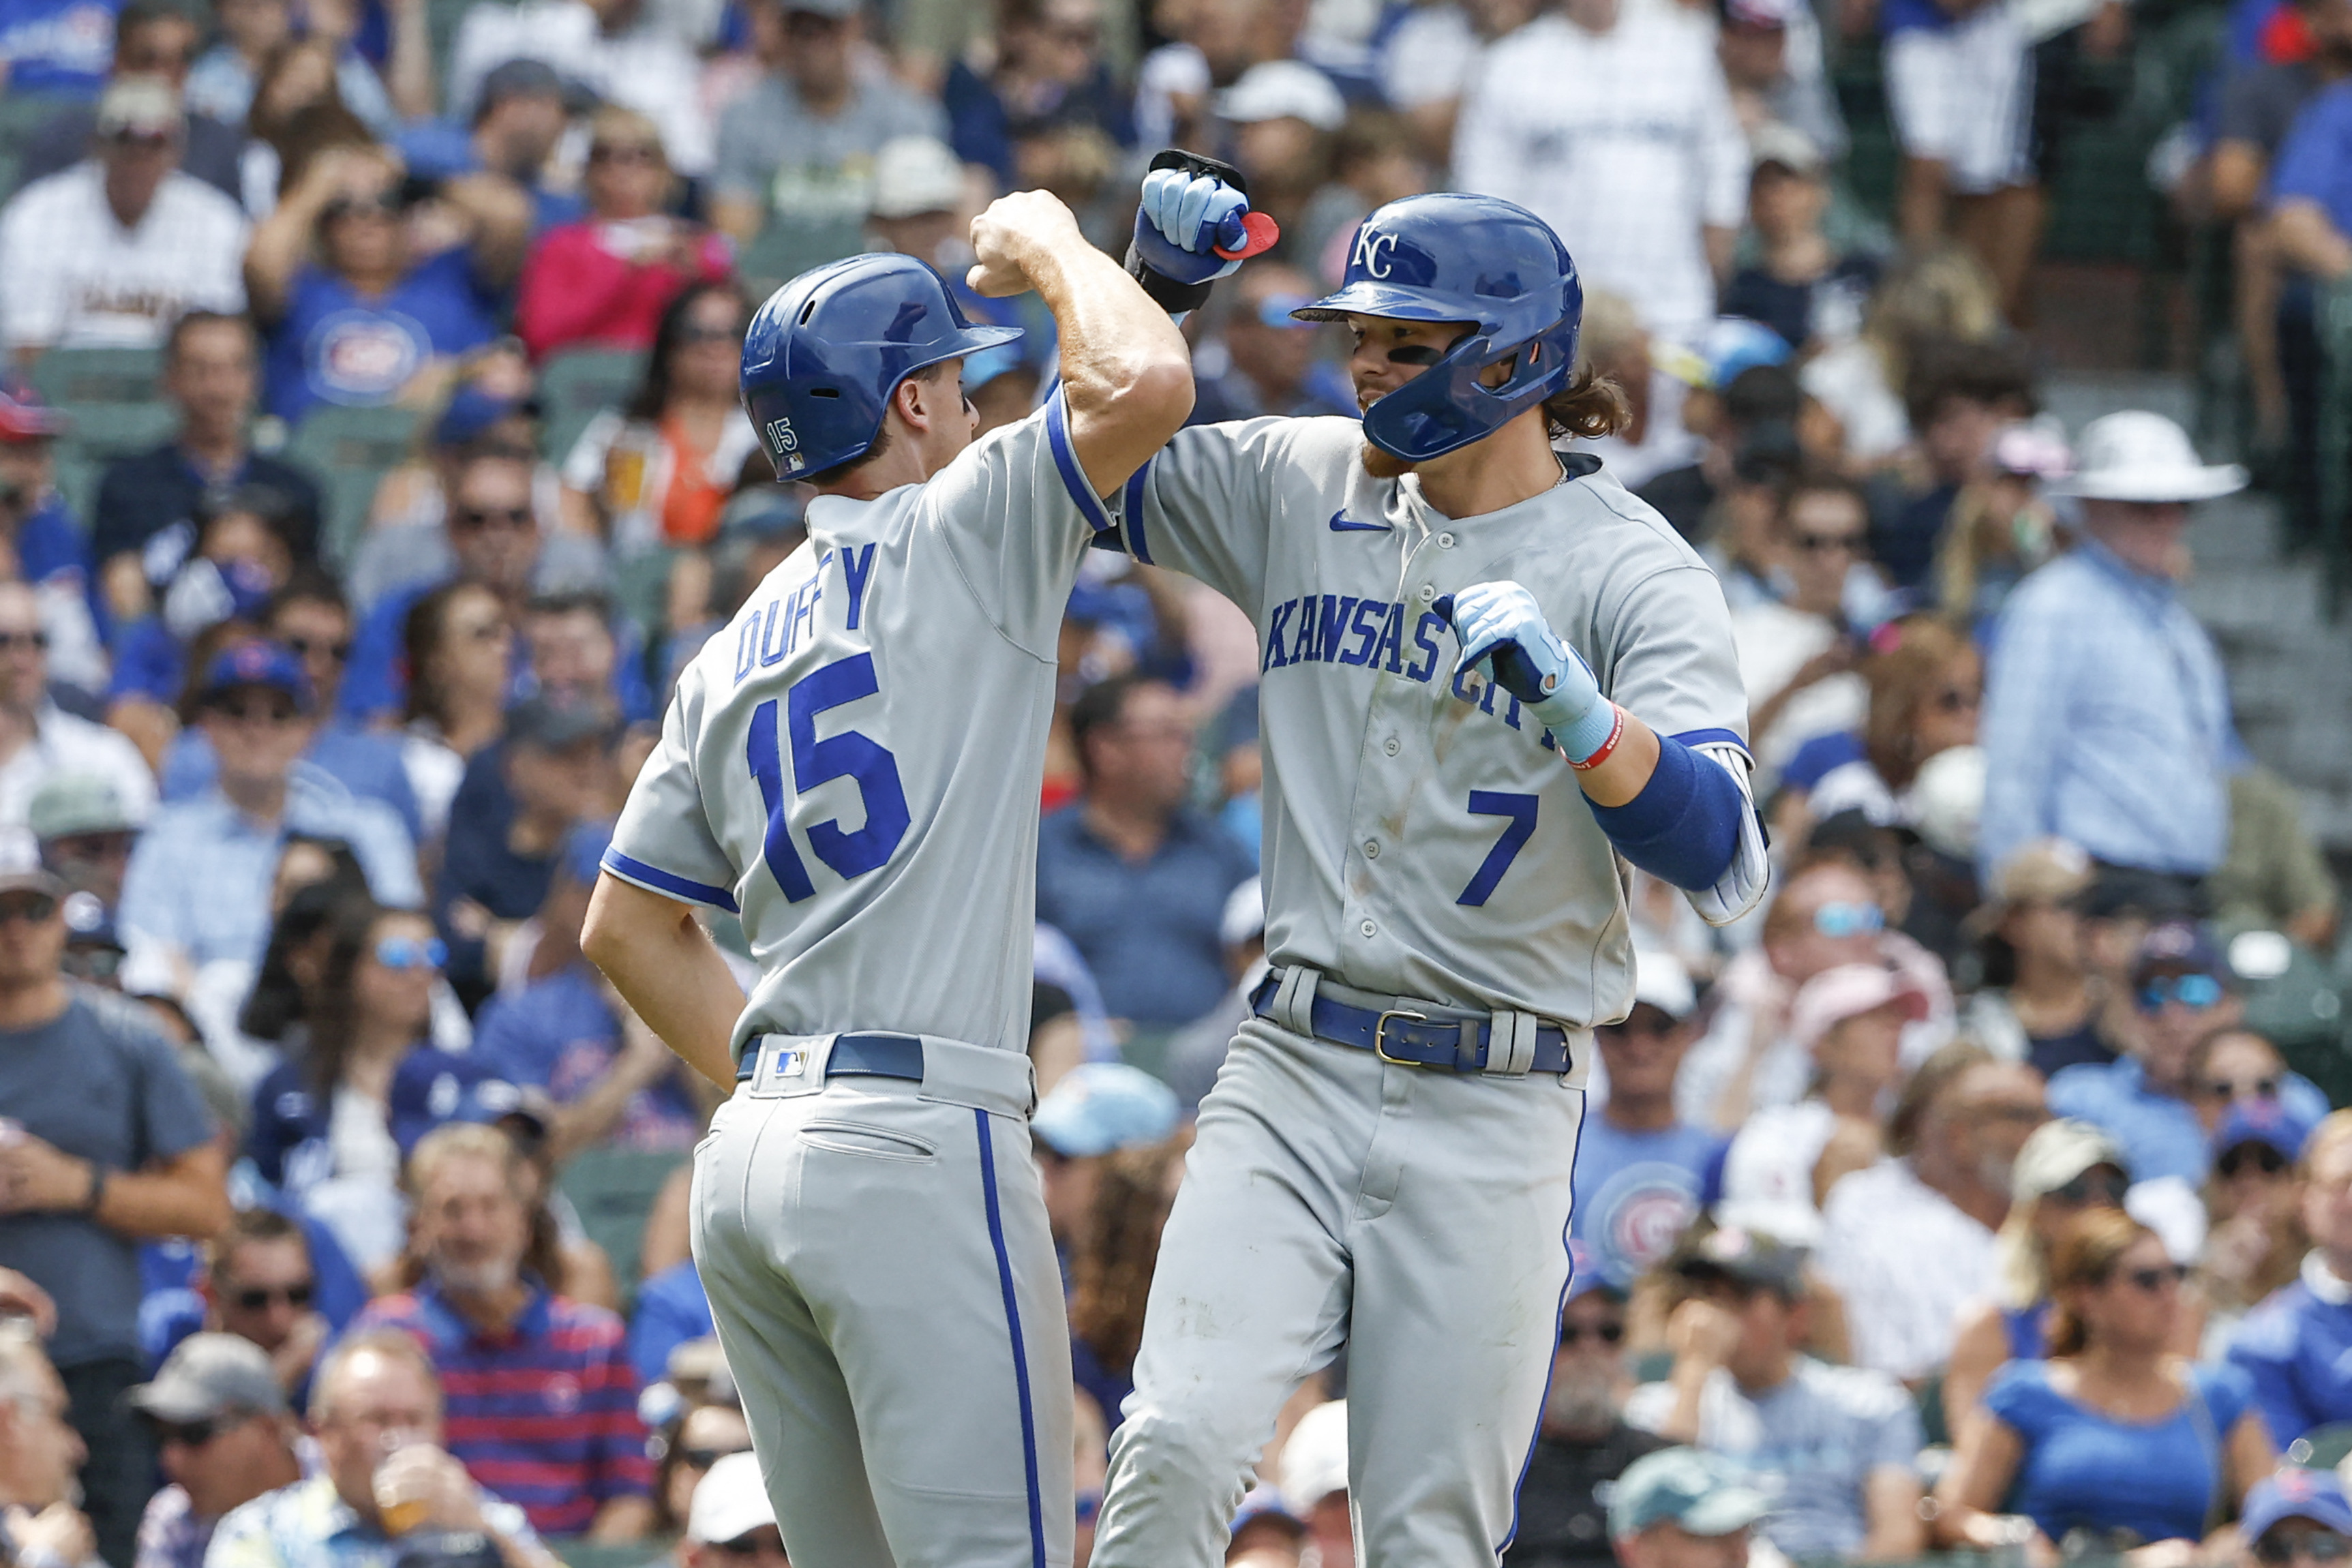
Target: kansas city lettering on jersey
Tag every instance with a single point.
(1339, 628)
(772, 631)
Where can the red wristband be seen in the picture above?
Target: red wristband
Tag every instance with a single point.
(1616, 734)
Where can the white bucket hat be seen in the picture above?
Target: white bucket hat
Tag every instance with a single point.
(2141, 457)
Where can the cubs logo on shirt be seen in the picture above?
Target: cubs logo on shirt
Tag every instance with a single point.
(360, 357)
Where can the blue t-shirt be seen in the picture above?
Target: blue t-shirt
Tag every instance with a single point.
(559, 1034)
(58, 46)
(1913, 15)
(1637, 1192)
(2082, 1469)
(2316, 161)
(671, 1309)
(2160, 1135)
(1147, 929)
(366, 763)
(335, 347)
(2297, 1349)
(1821, 756)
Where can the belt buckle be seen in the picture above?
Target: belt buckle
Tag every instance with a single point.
(1380, 1030)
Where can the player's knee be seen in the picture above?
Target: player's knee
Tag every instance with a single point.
(1180, 1442)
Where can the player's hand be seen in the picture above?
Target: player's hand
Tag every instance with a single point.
(1196, 229)
(1504, 637)
(1014, 229)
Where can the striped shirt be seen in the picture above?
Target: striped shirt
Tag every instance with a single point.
(545, 1414)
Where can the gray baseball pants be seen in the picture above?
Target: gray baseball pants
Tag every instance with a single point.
(878, 1264)
(1419, 1218)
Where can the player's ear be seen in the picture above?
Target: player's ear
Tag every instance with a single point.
(916, 402)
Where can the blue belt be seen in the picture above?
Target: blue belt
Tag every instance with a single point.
(859, 1056)
(1408, 1039)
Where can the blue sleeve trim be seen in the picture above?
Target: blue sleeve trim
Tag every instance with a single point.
(656, 879)
(1133, 506)
(1066, 458)
(1696, 738)
(1684, 825)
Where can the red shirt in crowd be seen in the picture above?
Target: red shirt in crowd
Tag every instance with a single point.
(581, 289)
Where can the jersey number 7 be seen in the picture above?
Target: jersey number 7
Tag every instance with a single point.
(1521, 810)
(849, 755)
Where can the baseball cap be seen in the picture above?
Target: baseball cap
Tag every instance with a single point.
(2035, 448)
(916, 175)
(2295, 1493)
(730, 1502)
(471, 411)
(1703, 1493)
(1283, 90)
(1244, 920)
(1949, 796)
(207, 1374)
(257, 662)
(517, 78)
(2264, 1120)
(78, 803)
(556, 726)
(1100, 1108)
(24, 417)
(1314, 1455)
(1777, 142)
(2179, 947)
(21, 867)
(839, 10)
(1660, 979)
(140, 106)
(1848, 991)
(2058, 1151)
(433, 1088)
(1746, 1256)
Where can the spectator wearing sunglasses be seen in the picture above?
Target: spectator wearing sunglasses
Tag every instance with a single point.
(84, 832)
(2255, 1242)
(2039, 1001)
(224, 1434)
(310, 616)
(1796, 653)
(2296, 1519)
(1262, 361)
(41, 742)
(690, 1444)
(2297, 1345)
(732, 1524)
(2183, 993)
(1582, 1443)
(2115, 1433)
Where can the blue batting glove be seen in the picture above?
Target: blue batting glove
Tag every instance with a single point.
(1182, 221)
(1504, 637)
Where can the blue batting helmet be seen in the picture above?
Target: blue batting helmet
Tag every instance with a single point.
(1451, 257)
(823, 355)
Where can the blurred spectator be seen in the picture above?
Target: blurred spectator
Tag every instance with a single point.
(297, 107)
(1314, 1470)
(539, 1389)
(221, 83)
(2294, 1496)
(1958, 397)
(1643, 1167)
(2107, 716)
(605, 281)
(554, 1025)
(2310, 201)
(1797, 655)
(49, 550)
(1960, 88)
(104, 254)
(1261, 361)
(1282, 116)
(154, 40)
(2064, 1169)
(2294, 1346)
(2276, 876)
(1771, 51)
(457, 651)
(143, 526)
(85, 829)
(671, 1309)
(579, 651)
(1683, 1509)
(1097, 1110)
(1720, 482)
(1924, 680)
(379, 1413)
(321, 1127)
(1582, 1443)
(1110, 1266)
(2037, 1000)
(1429, 58)
(1136, 876)
(1198, 1051)
(2256, 1244)
(224, 1434)
(1801, 286)
(110, 1145)
(614, 49)
(356, 325)
(1909, 1241)
(2001, 525)
(262, 1285)
(798, 145)
(516, 124)
(40, 742)
(732, 1522)
(658, 469)
(2185, 992)
(198, 883)
(39, 1452)
(1048, 73)
(690, 1445)
(1642, 170)
(507, 827)
(1836, 1447)
(1375, 159)
(1785, 1159)
(2070, 1442)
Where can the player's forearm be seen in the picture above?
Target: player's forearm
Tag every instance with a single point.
(1672, 811)
(1126, 372)
(664, 965)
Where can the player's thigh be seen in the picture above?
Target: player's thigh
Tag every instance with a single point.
(929, 1258)
(795, 1400)
(1459, 1290)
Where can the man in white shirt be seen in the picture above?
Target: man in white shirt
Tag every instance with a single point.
(109, 252)
(39, 740)
(606, 45)
(1611, 123)
(1797, 655)
(1909, 1242)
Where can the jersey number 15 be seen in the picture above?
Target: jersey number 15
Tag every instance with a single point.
(849, 755)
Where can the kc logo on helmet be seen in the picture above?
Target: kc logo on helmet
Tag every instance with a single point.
(1372, 252)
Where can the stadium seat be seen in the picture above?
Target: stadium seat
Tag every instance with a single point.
(70, 377)
(350, 450)
(783, 250)
(578, 385)
(613, 1191)
(2323, 1448)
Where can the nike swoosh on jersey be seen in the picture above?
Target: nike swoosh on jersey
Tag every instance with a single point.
(1343, 523)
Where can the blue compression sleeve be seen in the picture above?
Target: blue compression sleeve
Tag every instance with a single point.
(1685, 825)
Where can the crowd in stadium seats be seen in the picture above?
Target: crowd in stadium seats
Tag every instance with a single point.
(371, 463)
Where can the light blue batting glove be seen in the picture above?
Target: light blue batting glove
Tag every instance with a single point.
(1182, 221)
(1504, 637)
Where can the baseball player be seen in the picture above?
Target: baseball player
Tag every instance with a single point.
(1489, 674)
(853, 764)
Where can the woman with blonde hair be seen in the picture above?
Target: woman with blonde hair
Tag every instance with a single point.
(1941, 295)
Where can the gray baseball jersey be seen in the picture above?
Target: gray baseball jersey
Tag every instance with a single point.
(1396, 801)
(855, 763)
